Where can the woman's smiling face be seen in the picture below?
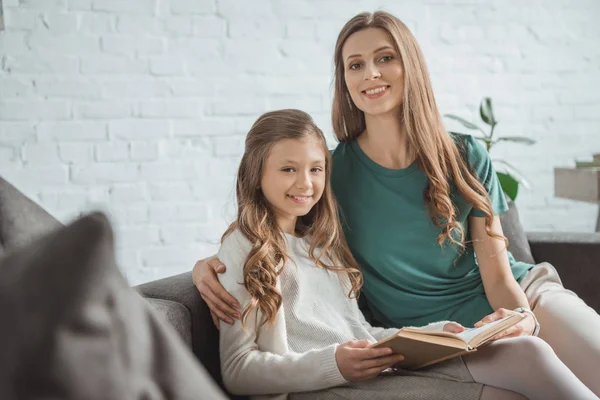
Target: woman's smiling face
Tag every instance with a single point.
(373, 71)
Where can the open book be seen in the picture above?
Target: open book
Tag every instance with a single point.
(422, 347)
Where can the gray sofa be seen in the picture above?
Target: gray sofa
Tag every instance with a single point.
(575, 255)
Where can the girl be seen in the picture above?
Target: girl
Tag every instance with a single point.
(421, 208)
(301, 329)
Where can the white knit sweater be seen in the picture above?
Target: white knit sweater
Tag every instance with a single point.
(297, 352)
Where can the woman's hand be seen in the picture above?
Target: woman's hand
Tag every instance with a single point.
(223, 306)
(454, 327)
(524, 328)
(357, 362)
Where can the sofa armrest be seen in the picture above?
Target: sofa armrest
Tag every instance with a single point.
(177, 315)
(204, 335)
(576, 257)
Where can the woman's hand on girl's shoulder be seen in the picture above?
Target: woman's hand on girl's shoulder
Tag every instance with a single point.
(223, 306)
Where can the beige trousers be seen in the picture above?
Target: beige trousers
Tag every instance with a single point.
(568, 325)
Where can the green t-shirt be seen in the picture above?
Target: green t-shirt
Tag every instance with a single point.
(408, 278)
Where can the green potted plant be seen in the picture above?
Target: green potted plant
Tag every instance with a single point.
(510, 178)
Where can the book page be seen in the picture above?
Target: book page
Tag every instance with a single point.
(469, 334)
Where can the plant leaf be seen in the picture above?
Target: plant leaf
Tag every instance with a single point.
(486, 111)
(466, 123)
(509, 185)
(516, 139)
(509, 169)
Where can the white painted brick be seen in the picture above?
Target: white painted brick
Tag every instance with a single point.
(141, 7)
(189, 213)
(306, 103)
(94, 23)
(16, 132)
(72, 88)
(591, 112)
(127, 45)
(188, 7)
(34, 177)
(71, 131)
(127, 212)
(8, 155)
(197, 149)
(209, 27)
(45, 42)
(137, 24)
(80, 5)
(176, 234)
(206, 48)
(76, 153)
(139, 129)
(41, 63)
(143, 151)
(20, 18)
(301, 29)
(107, 64)
(167, 66)
(44, 4)
(171, 255)
(13, 42)
(297, 9)
(255, 8)
(127, 193)
(15, 87)
(205, 127)
(101, 173)
(229, 145)
(177, 192)
(169, 109)
(134, 87)
(109, 109)
(57, 22)
(170, 171)
(256, 28)
(112, 151)
(41, 154)
(177, 26)
(132, 237)
(238, 106)
(15, 110)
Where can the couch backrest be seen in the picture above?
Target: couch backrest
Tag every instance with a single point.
(513, 230)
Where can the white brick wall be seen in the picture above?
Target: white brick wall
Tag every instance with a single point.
(140, 107)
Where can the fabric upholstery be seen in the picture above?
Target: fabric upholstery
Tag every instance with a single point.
(77, 331)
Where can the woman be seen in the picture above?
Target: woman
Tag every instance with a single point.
(421, 208)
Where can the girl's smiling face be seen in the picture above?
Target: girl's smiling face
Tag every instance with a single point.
(293, 179)
(373, 71)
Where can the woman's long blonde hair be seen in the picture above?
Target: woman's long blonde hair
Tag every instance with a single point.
(437, 153)
(256, 217)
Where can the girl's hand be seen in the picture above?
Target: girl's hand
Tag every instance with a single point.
(223, 306)
(357, 362)
(453, 327)
(524, 328)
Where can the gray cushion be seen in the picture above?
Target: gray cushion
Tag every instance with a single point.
(513, 230)
(73, 329)
(176, 315)
(21, 220)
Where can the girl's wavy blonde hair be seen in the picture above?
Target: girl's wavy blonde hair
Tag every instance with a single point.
(256, 217)
(437, 153)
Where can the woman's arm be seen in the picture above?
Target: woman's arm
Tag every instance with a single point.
(501, 288)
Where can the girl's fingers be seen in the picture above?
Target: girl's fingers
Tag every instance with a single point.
(381, 361)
